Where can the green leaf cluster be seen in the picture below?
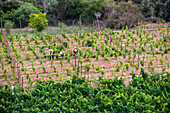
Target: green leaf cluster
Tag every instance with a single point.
(38, 21)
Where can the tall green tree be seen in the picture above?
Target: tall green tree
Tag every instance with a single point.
(123, 14)
(93, 7)
(23, 12)
(147, 8)
(8, 5)
(74, 9)
(159, 9)
(167, 10)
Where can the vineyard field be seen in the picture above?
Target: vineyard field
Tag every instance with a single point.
(102, 52)
(113, 71)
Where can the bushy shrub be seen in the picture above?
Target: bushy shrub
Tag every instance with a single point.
(62, 25)
(8, 25)
(38, 21)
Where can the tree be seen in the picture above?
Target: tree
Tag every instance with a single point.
(146, 8)
(1, 17)
(36, 3)
(159, 9)
(8, 5)
(93, 7)
(154, 8)
(49, 5)
(167, 10)
(6, 16)
(8, 25)
(23, 12)
(38, 21)
(123, 14)
(74, 9)
(62, 5)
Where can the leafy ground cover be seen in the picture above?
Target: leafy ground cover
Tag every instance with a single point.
(147, 93)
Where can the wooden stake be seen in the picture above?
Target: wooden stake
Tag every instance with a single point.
(47, 28)
(18, 74)
(113, 40)
(121, 45)
(133, 57)
(85, 70)
(125, 50)
(93, 25)
(158, 22)
(1, 28)
(141, 26)
(75, 61)
(22, 81)
(143, 60)
(81, 68)
(5, 87)
(78, 67)
(138, 24)
(101, 31)
(138, 61)
(20, 24)
(110, 39)
(70, 56)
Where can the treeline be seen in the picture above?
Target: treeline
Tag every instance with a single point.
(113, 13)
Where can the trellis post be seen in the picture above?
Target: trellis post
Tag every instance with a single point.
(138, 61)
(125, 50)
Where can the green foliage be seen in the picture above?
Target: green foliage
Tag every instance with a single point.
(102, 72)
(8, 25)
(38, 21)
(122, 14)
(76, 94)
(107, 59)
(161, 61)
(87, 68)
(23, 12)
(127, 66)
(117, 67)
(92, 7)
(115, 55)
(84, 10)
(8, 5)
(62, 25)
(147, 93)
(89, 43)
(44, 69)
(168, 65)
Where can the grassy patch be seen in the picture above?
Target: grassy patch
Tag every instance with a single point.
(52, 30)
